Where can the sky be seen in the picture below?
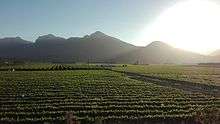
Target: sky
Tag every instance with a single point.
(136, 22)
(67, 18)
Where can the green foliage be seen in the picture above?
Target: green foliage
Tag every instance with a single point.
(208, 115)
(196, 74)
(91, 95)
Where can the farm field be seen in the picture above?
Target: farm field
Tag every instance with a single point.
(197, 74)
(110, 62)
(93, 96)
(45, 66)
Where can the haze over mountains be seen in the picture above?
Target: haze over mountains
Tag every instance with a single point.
(216, 53)
(97, 47)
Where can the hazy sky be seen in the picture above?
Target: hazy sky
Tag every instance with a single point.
(188, 24)
(120, 18)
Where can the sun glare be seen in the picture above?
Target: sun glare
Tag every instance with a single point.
(191, 25)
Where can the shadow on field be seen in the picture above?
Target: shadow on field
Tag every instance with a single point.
(183, 85)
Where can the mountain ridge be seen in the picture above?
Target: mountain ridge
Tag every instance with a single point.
(96, 47)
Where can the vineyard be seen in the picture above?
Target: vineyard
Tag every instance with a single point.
(93, 95)
(198, 74)
(51, 67)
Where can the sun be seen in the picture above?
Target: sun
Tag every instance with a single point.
(192, 25)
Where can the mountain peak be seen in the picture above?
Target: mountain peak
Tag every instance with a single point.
(48, 36)
(12, 38)
(98, 34)
(18, 38)
(158, 44)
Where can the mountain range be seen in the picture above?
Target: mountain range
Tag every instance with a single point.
(97, 47)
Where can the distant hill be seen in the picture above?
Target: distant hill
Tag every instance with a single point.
(13, 47)
(158, 52)
(216, 53)
(96, 47)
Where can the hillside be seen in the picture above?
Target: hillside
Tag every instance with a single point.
(13, 47)
(96, 47)
(159, 53)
